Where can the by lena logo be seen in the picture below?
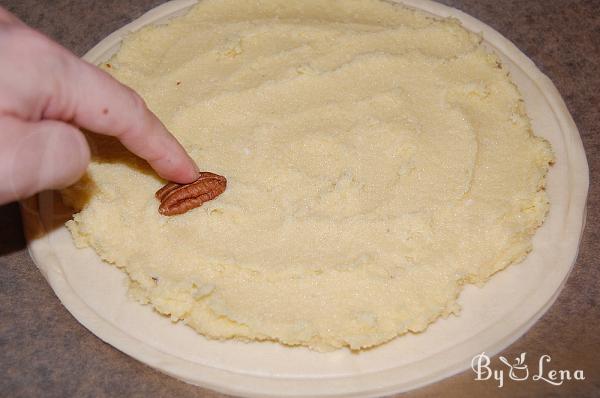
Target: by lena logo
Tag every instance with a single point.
(518, 370)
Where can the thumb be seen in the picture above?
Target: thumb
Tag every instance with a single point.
(35, 156)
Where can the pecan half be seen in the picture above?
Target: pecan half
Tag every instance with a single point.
(177, 198)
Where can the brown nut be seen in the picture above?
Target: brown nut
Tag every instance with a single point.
(179, 198)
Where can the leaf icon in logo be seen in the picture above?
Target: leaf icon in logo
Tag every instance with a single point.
(519, 361)
(518, 371)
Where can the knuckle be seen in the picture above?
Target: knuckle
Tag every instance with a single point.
(139, 109)
(138, 103)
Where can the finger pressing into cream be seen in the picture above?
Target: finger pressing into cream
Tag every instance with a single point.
(44, 81)
(116, 110)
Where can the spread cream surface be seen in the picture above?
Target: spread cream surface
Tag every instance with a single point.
(377, 159)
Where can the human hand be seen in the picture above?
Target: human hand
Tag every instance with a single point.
(46, 94)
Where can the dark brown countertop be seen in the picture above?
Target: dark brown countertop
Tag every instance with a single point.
(45, 352)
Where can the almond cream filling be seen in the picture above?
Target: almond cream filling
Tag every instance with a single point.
(377, 159)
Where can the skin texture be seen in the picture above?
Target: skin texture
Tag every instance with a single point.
(46, 95)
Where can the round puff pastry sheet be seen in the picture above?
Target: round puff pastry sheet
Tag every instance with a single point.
(377, 160)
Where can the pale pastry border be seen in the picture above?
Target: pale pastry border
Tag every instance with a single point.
(262, 369)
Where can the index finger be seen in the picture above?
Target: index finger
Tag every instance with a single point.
(106, 106)
(101, 104)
